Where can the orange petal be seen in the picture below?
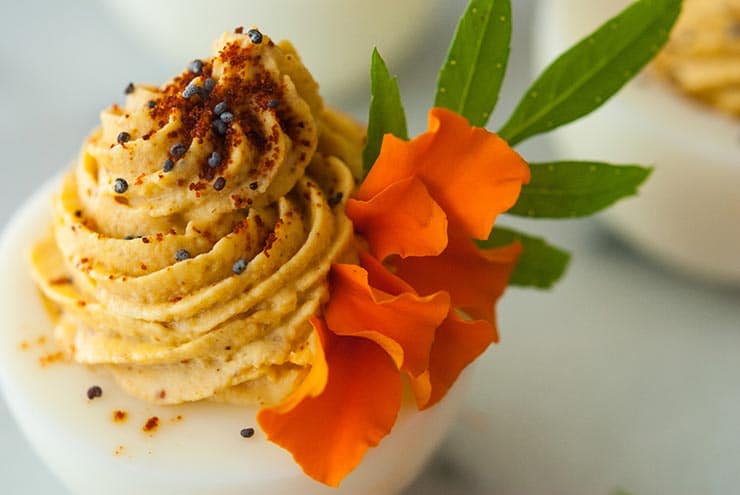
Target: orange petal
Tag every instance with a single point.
(400, 322)
(328, 434)
(474, 278)
(401, 219)
(458, 344)
(471, 173)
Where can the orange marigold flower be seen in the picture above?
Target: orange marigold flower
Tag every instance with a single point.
(471, 174)
(458, 343)
(368, 301)
(348, 403)
(397, 311)
(475, 278)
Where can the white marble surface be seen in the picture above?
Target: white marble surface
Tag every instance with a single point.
(625, 375)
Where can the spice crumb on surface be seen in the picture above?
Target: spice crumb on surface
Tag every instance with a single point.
(247, 433)
(28, 344)
(49, 359)
(120, 416)
(151, 424)
(119, 450)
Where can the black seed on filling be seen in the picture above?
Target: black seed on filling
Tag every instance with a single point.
(247, 432)
(168, 165)
(255, 36)
(214, 160)
(123, 137)
(178, 149)
(196, 66)
(336, 199)
(220, 108)
(220, 126)
(240, 266)
(120, 186)
(191, 90)
(219, 184)
(182, 255)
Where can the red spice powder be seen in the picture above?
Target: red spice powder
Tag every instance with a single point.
(120, 416)
(50, 359)
(151, 424)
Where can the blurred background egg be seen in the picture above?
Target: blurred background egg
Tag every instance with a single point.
(682, 115)
(334, 37)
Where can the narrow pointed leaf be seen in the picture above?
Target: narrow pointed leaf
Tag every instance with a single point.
(540, 266)
(591, 72)
(471, 78)
(386, 111)
(576, 189)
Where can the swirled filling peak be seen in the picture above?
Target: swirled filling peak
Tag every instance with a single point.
(192, 239)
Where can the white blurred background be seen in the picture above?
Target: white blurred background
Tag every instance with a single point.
(624, 375)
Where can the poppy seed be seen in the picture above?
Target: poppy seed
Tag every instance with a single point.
(214, 160)
(182, 255)
(220, 126)
(196, 66)
(178, 149)
(94, 392)
(123, 137)
(255, 36)
(220, 108)
(240, 266)
(120, 186)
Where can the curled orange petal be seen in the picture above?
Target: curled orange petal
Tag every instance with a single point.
(474, 278)
(458, 344)
(473, 174)
(329, 433)
(401, 322)
(401, 219)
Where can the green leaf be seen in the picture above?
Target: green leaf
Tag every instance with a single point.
(591, 72)
(386, 111)
(576, 189)
(470, 81)
(541, 264)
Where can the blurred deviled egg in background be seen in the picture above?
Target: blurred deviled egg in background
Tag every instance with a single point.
(683, 114)
(336, 36)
